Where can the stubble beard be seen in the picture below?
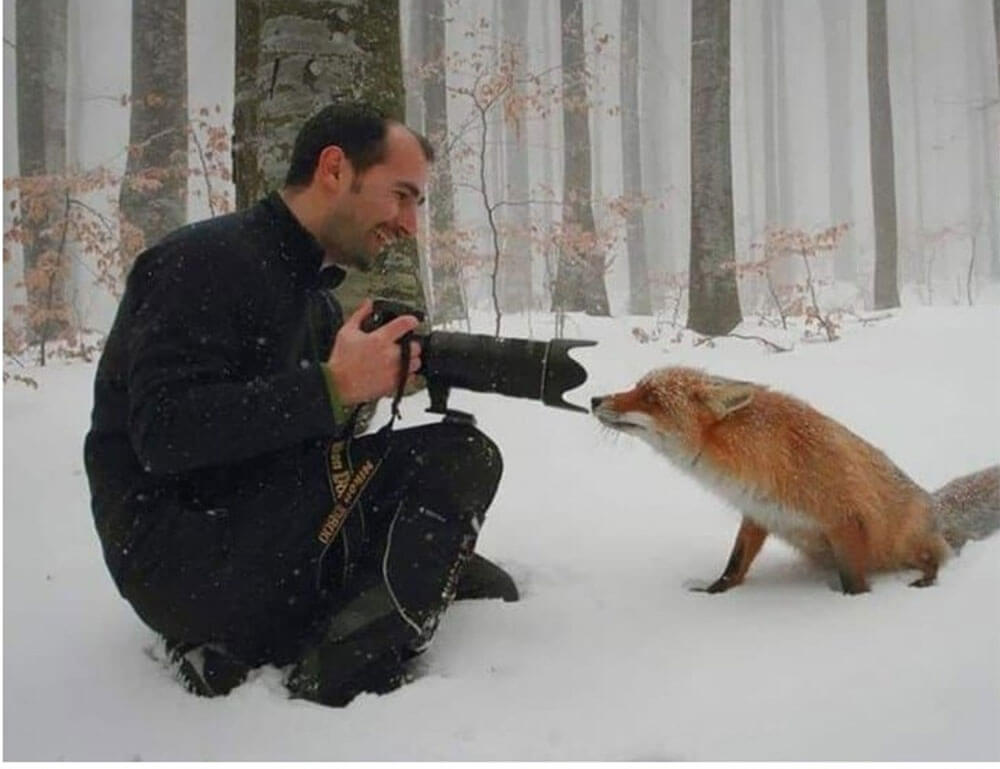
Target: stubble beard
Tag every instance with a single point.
(347, 245)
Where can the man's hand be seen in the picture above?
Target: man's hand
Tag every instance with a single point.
(365, 366)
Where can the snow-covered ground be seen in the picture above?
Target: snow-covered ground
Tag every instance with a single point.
(608, 655)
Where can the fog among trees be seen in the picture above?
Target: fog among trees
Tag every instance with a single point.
(701, 162)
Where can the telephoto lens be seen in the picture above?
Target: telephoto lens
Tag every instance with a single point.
(520, 368)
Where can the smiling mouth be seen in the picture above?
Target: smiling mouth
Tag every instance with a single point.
(384, 238)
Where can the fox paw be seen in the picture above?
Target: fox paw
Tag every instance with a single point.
(720, 585)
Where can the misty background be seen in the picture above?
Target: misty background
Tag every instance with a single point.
(800, 140)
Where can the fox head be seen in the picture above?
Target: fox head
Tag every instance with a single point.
(671, 408)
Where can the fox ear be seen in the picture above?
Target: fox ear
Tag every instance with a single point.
(724, 396)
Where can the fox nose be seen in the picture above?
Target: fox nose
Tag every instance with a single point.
(596, 401)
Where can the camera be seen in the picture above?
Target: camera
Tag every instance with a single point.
(519, 368)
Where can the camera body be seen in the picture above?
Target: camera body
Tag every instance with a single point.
(387, 310)
(519, 368)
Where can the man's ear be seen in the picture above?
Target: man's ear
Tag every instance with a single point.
(331, 166)
(724, 396)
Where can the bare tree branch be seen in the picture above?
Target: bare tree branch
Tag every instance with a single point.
(748, 337)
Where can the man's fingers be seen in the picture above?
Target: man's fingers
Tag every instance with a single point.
(395, 328)
(414, 357)
(363, 311)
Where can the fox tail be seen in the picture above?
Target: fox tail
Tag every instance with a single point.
(968, 507)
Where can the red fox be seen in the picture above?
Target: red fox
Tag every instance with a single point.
(796, 473)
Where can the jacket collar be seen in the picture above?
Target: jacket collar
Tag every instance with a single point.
(297, 249)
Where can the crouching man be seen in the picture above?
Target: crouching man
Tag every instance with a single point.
(237, 512)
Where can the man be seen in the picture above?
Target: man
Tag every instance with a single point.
(237, 512)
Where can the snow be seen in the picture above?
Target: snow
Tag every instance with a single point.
(609, 655)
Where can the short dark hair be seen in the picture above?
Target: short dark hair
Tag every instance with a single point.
(358, 129)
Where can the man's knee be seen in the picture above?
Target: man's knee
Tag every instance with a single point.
(462, 448)
(451, 466)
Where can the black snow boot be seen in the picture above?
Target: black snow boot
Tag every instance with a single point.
(481, 578)
(364, 649)
(207, 670)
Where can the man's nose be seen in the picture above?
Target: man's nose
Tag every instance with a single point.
(408, 220)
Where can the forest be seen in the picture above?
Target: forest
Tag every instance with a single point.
(695, 163)
(799, 193)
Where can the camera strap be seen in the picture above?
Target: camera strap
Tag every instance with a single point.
(404, 372)
(347, 483)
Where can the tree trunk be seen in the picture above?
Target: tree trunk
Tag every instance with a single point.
(882, 162)
(248, 177)
(550, 173)
(414, 57)
(580, 273)
(783, 145)
(714, 302)
(515, 283)
(837, 48)
(917, 260)
(984, 165)
(779, 186)
(771, 45)
(446, 276)
(996, 32)
(995, 264)
(751, 101)
(635, 235)
(657, 83)
(153, 195)
(40, 27)
(293, 58)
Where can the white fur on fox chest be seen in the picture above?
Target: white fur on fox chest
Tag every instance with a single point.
(778, 519)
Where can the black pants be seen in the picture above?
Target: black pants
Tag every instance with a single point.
(252, 573)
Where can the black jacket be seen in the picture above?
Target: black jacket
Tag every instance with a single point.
(212, 361)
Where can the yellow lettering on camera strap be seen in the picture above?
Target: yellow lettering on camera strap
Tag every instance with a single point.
(347, 487)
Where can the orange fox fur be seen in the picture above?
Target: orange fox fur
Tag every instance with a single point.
(796, 473)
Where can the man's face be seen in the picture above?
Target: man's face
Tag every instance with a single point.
(376, 207)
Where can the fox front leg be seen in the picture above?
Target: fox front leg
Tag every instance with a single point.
(849, 543)
(927, 562)
(749, 540)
